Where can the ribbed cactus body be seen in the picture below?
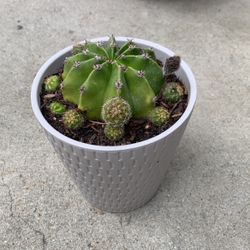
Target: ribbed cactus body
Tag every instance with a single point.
(96, 73)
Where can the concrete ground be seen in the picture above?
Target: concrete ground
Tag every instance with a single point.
(204, 202)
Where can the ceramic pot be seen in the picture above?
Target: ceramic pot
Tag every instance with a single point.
(116, 178)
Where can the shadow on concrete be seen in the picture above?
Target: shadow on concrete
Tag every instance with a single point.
(184, 161)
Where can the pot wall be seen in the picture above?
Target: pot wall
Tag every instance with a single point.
(118, 181)
(123, 178)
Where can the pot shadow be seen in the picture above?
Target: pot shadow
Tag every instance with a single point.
(184, 162)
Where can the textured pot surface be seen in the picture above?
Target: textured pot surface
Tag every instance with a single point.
(121, 178)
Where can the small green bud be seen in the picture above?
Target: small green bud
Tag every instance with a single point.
(116, 111)
(52, 83)
(113, 133)
(72, 119)
(159, 116)
(57, 108)
(173, 92)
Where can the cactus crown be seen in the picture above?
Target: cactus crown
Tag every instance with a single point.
(97, 73)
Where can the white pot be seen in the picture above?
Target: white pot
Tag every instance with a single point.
(116, 178)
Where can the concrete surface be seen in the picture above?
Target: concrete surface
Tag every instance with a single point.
(204, 202)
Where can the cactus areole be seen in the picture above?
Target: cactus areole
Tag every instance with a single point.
(96, 73)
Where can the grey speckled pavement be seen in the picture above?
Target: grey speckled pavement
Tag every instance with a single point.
(204, 201)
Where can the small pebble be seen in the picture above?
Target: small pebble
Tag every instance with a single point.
(19, 27)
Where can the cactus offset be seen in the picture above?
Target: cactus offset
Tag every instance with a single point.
(116, 111)
(113, 132)
(172, 92)
(73, 119)
(57, 108)
(159, 116)
(52, 83)
(97, 73)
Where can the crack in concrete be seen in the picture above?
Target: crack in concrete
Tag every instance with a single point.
(44, 241)
(127, 220)
(4, 184)
(8, 188)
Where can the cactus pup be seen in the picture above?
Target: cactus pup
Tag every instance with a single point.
(113, 132)
(57, 108)
(159, 116)
(172, 92)
(52, 83)
(73, 119)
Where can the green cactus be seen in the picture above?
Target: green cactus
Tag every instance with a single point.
(97, 73)
(52, 83)
(113, 132)
(172, 92)
(73, 119)
(159, 116)
(57, 108)
(116, 111)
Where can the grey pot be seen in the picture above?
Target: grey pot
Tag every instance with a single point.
(116, 178)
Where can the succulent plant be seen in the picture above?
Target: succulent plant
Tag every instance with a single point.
(57, 108)
(159, 116)
(116, 111)
(113, 132)
(113, 84)
(97, 73)
(73, 119)
(172, 92)
(52, 83)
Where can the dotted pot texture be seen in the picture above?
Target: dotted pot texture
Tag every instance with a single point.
(116, 178)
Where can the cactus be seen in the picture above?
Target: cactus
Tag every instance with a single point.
(73, 119)
(52, 83)
(159, 116)
(97, 73)
(172, 92)
(113, 132)
(57, 108)
(116, 111)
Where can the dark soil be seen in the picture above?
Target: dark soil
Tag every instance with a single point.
(92, 131)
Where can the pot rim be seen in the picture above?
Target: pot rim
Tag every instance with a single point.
(72, 142)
